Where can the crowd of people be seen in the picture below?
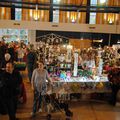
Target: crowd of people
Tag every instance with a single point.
(11, 84)
(12, 88)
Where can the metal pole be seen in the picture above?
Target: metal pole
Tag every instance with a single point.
(109, 40)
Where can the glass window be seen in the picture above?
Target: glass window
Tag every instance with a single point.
(92, 18)
(56, 1)
(102, 1)
(14, 35)
(18, 13)
(92, 14)
(56, 12)
(93, 2)
(56, 16)
(23, 32)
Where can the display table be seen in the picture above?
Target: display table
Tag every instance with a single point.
(20, 66)
(102, 78)
(82, 85)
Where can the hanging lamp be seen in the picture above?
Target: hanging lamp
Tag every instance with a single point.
(36, 12)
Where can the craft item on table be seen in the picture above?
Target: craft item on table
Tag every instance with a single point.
(68, 75)
(68, 65)
(89, 85)
(58, 73)
(91, 65)
(63, 75)
(80, 72)
(99, 85)
(61, 65)
(55, 79)
(75, 87)
(64, 65)
(85, 73)
(50, 69)
(85, 65)
(54, 74)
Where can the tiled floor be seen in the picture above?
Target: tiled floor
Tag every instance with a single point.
(82, 110)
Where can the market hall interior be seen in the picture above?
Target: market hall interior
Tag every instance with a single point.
(79, 43)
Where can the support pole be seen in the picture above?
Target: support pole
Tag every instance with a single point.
(109, 42)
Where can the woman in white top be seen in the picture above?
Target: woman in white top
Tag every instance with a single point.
(39, 85)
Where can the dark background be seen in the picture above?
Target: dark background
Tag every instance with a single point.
(92, 36)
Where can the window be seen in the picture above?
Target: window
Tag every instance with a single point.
(93, 2)
(56, 16)
(56, 12)
(56, 1)
(93, 15)
(102, 1)
(92, 18)
(18, 13)
(14, 35)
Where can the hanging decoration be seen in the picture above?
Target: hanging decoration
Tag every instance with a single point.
(53, 39)
(49, 47)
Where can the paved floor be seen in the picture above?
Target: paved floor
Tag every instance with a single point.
(82, 110)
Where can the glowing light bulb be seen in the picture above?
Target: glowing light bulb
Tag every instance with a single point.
(73, 20)
(102, 1)
(110, 21)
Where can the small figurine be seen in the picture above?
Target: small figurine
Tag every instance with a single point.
(68, 75)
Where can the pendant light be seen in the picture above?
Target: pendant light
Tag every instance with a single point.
(36, 12)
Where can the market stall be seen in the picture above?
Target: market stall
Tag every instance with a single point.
(75, 70)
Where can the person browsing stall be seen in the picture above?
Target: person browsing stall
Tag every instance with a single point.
(39, 85)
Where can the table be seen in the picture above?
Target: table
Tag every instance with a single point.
(82, 85)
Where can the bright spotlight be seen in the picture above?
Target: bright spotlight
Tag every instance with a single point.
(102, 1)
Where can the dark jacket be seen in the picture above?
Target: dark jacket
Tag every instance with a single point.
(11, 83)
(114, 76)
(31, 57)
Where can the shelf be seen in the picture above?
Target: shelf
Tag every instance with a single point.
(65, 68)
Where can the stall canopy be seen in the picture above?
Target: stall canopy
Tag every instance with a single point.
(52, 39)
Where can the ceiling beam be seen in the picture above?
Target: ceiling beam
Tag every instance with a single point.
(55, 5)
(62, 7)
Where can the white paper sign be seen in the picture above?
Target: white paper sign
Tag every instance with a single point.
(75, 64)
(68, 55)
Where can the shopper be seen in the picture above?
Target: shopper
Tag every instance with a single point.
(11, 90)
(20, 53)
(31, 59)
(3, 48)
(114, 78)
(7, 58)
(39, 85)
